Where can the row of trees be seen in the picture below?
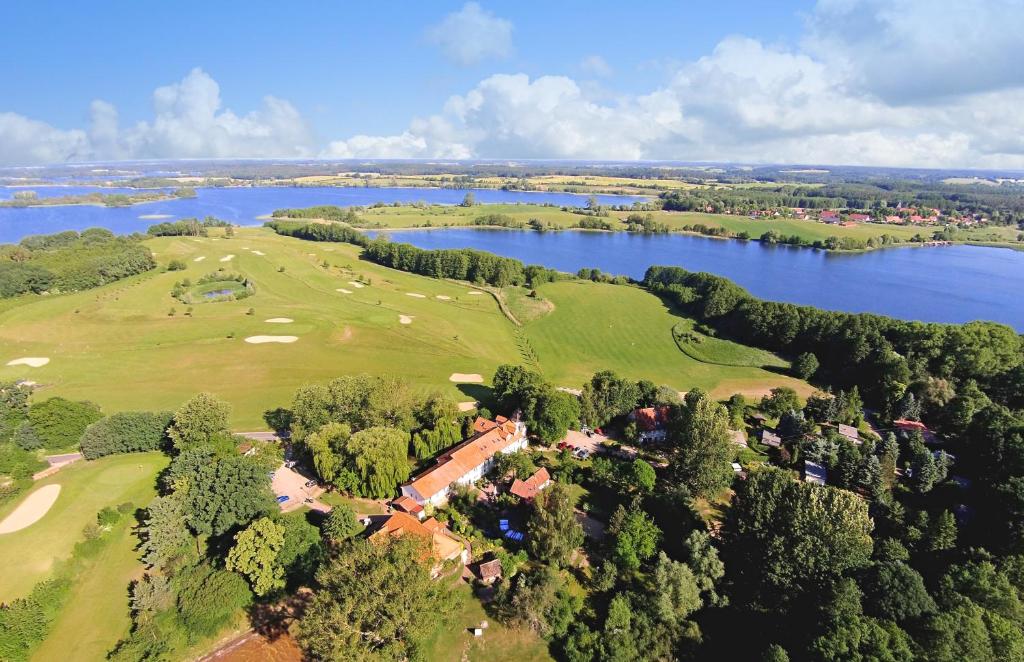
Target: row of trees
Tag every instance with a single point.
(186, 227)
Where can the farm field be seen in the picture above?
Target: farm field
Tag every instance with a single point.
(121, 347)
(28, 555)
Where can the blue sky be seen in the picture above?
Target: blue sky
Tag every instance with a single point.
(889, 82)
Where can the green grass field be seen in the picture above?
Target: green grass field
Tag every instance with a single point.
(118, 346)
(28, 555)
(630, 331)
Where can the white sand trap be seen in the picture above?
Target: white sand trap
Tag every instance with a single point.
(31, 510)
(200, 258)
(466, 378)
(405, 319)
(227, 258)
(343, 290)
(356, 284)
(415, 296)
(279, 320)
(246, 248)
(442, 297)
(259, 340)
(153, 217)
(469, 405)
(258, 253)
(31, 361)
(475, 292)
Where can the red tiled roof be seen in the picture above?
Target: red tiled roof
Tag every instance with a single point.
(407, 504)
(527, 489)
(490, 569)
(442, 545)
(491, 438)
(649, 418)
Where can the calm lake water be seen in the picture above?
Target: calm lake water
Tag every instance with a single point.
(941, 284)
(243, 206)
(948, 284)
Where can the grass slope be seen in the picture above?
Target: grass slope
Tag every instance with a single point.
(625, 329)
(118, 346)
(28, 555)
(97, 613)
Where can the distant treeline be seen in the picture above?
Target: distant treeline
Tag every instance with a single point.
(325, 212)
(1002, 205)
(458, 264)
(318, 231)
(70, 261)
(186, 227)
(880, 355)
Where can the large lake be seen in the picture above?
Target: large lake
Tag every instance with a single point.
(243, 206)
(947, 284)
(937, 284)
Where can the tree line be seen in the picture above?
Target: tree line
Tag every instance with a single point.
(70, 261)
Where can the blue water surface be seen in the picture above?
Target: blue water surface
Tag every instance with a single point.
(935, 284)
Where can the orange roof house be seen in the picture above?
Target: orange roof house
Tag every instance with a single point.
(468, 461)
(527, 489)
(443, 546)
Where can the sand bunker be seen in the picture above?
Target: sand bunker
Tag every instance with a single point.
(153, 217)
(356, 284)
(469, 405)
(415, 296)
(466, 378)
(200, 258)
(259, 340)
(227, 258)
(442, 297)
(258, 253)
(31, 361)
(475, 292)
(405, 319)
(343, 290)
(279, 320)
(31, 510)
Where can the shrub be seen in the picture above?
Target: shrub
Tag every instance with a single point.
(26, 438)
(176, 265)
(207, 598)
(125, 432)
(60, 422)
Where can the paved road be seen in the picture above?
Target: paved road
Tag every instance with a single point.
(63, 459)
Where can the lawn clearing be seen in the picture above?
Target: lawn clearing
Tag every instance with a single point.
(28, 555)
(500, 643)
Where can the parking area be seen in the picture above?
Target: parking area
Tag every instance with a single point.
(291, 482)
(579, 439)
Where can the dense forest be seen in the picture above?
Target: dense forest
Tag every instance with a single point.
(70, 261)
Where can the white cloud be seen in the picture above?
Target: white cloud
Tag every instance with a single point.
(472, 35)
(859, 88)
(595, 65)
(189, 122)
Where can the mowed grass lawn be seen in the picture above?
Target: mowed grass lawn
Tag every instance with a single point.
(628, 330)
(499, 643)
(27, 556)
(118, 346)
(444, 215)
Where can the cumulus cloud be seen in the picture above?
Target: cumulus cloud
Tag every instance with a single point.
(471, 35)
(188, 122)
(923, 83)
(595, 65)
(930, 83)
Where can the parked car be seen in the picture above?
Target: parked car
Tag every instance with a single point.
(283, 498)
(562, 445)
(289, 464)
(310, 483)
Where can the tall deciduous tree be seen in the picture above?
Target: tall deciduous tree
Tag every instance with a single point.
(554, 533)
(788, 538)
(379, 457)
(198, 420)
(700, 436)
(255, 555)
(376, 601)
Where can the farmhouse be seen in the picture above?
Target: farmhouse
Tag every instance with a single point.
(443, 546)
(651, 422)
(849, 432)
(769, 438)
(860, 218)
(527, 489)
(468, 462)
